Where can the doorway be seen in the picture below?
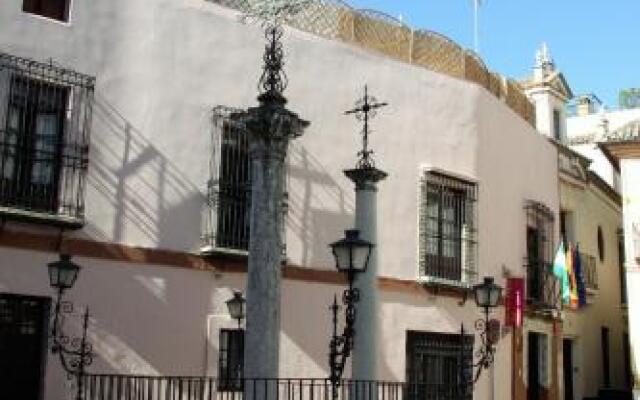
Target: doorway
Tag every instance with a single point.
(567, 368)
(23, 344)
(537, 366)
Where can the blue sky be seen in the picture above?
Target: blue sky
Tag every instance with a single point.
(596, 44)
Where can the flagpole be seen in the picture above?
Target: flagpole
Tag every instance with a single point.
(475, 25)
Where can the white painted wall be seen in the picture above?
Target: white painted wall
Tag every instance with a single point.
(545, 101)
(161, 66)
(630, 174)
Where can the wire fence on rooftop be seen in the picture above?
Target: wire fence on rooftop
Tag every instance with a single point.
(376, 31)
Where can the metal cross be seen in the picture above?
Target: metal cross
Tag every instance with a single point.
(366, 108)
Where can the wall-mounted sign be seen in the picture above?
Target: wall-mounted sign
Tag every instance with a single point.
(514, 302)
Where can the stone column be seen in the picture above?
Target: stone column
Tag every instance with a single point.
(270, 127)
(366, 348)
(265, 259)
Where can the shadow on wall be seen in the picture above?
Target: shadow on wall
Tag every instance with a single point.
(155, 204)
(131, 306)
(318, 209)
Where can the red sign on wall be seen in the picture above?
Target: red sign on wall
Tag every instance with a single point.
(514, 302)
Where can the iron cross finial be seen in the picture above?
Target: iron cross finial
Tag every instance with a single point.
(365, 109)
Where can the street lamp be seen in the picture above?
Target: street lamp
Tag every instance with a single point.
(75, 353)
(487, 296)
(63, 273)
(352, 256)
(235, 305)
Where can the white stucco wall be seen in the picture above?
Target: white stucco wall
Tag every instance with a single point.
(630, 174)
(161, 66)
(545, 102)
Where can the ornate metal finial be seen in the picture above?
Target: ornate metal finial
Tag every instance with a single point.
(272, 14)
(365, 109)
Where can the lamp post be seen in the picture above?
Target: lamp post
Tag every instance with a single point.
(352, 257)
(487, 296)
(75, 353)
(236, 306)
(365, 177)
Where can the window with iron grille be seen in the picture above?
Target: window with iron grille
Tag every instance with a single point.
(54, 9)
(539, 235)
(229, 186)
(447, 228)
(439, 365)
(45, 117)
(230, 359)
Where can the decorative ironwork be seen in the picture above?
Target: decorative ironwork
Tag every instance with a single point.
(340, 346)
(543, 289)
(45, 119)
(486, 351)
(229, 185)
(273, 80)
(447, 229)
(443, 361)
(75, 353)
(230, 360)
(365, 109)
(272, 14)
(135, 387)
(226, 227)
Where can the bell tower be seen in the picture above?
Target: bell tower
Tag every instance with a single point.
(549, 92)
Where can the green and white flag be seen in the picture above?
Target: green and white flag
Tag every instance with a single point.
(560, 272)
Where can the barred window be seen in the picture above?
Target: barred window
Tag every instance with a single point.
(229, 186)
(539, 235)
(45, 114)
(55, 9)
(439, 365)
(447, 228)
(230, 359)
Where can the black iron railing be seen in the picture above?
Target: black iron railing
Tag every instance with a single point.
(126, 387)
(543, 288)
(45, 119)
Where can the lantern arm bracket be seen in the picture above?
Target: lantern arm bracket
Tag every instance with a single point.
(341, 345)
(75, 353)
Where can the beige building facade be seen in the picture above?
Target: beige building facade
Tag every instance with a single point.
(591, 342)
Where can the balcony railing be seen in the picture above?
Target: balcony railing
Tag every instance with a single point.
(127, 387)
(543, 288)
(589, 271)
